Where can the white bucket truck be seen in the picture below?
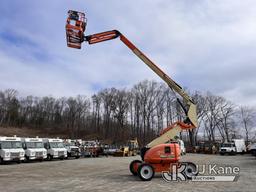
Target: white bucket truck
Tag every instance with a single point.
(34, 149)
(234, 147)
(11, 149)
(72, 149)
(55, 149)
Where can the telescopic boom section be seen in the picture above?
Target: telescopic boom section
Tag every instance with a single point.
(109, 35)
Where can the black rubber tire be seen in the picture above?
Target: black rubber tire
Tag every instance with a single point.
(49, 157)
(146, 172)
(27, 159)
(1, 161)
(131, 166)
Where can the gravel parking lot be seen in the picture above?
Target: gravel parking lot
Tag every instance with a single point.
(112, 174)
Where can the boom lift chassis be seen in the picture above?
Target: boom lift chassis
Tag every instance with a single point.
(158, 155)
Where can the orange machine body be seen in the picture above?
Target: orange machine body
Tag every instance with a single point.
(161, 156)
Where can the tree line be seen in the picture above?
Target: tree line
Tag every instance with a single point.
(121, 114)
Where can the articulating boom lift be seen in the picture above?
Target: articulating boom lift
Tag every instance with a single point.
(158, 155)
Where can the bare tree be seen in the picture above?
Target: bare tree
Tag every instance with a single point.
(170, 101)
(107, 97)
(118, 114)
(247, 115)
(213, 105)
(225, 119)
(96, 99)
(146, 94)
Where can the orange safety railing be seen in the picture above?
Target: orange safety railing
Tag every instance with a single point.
(75, 27)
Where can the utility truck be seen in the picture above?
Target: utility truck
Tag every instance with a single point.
(55, 149)
(233, 147)
(72, 149)
(252, 149)
(11, 149)
(34, 149)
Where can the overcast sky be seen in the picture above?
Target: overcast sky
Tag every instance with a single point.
(203, 45)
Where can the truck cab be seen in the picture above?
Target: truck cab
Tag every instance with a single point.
(234, 147)
(55, 149)
(72, 149)
(11, 149)
(91, 148)
(252, 149)
(34, 149)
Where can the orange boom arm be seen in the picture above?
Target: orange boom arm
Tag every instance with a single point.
(75, 28)
(191, 119)
(158, 155)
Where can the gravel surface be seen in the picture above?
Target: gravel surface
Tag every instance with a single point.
(112, 174)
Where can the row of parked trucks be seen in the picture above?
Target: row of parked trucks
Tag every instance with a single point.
(26, 149)
(235, 146)
(19, 149)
